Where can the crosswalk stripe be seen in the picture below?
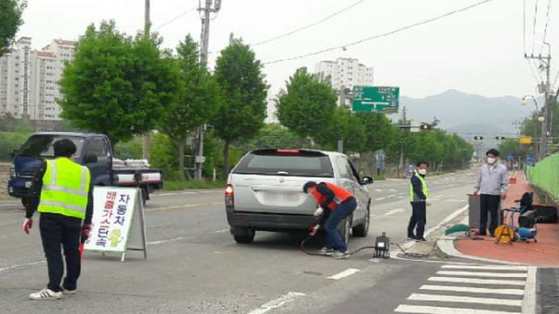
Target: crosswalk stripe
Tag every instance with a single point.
(481, 274)
(478, 281)
(473, 290)
(511, 268)
(460, 299)
(444, 310)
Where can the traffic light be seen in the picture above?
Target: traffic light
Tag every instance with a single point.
(478, 138)
(500, 138)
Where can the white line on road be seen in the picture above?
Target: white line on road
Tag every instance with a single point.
(443, 310)
(274, 304)
(165, 241)
(487, 267)
(22, 266)
(473, 290)
(346, 273)
(459, 299)
(380, 199)
(218, 203)
(221, 231)
(529, 304)
(394, 211)
(172, 207)
(478, 281)
(8, 205)
(393, 190)
(378, 190)
(481, 274)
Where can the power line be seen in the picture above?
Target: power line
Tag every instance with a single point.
(401, 29)
(534, 27)
(176, 18)
(546, 23)
(308, 25)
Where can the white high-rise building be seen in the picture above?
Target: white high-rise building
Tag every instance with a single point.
(345, 72)
(29, 81)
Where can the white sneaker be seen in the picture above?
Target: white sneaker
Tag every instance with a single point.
(46, 294)
(68, 292)
(340, 255)
(326, 251)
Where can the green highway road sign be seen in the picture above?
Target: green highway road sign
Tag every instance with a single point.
(383, 99)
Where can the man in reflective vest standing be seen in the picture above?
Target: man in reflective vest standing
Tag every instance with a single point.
(61, 191)
(419, 199)
(335, 205)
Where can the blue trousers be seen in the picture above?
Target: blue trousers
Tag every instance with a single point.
(334, 239)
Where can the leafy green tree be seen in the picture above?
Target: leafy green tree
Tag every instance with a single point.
(116, 84)
(242, 111)
(198, 98)
(273, 135)
(307, 106)
(379, 131)
(10, 21)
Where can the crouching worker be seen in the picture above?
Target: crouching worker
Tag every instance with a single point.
(335, 204)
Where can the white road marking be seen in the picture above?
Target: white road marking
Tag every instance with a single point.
(473, 290)
(391, 196)
(173, 207)
(481, 274)
(394, 211)
(218, 203)
(378, 190)
(459, 299)
(380, 199)
(393, 190)
(478, 281)
(22, 266)
(279, 302)
(444, 310)
(8, 205)
(165, 241)
(222, 231)
(486, 267)
(346, 273)
(529, 302)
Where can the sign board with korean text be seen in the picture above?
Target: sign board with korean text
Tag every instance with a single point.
(380, 99)
(118, 221)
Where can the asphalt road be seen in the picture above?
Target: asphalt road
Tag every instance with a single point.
(194, 265)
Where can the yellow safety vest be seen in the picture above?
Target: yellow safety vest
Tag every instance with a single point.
(413, 197)
(65, 188)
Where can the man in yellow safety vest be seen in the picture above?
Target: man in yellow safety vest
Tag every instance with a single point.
(419, 199)
(61, 191)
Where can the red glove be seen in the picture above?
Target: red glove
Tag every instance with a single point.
(27, 225)
(86, 229)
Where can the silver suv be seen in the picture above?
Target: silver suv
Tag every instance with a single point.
(265, 192)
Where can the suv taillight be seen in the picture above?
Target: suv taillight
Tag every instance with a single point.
(229, 196)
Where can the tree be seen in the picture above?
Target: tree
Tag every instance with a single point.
(10, 21)
(197, 99)
(274, 135)
(379, 131)
(242, 111)
(306, 106)
(116, 84)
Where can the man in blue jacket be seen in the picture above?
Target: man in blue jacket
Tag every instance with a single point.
(419, 199)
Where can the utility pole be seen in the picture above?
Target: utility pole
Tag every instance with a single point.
(147, 25)
(204, 46)
(546, 61)
(404, 139)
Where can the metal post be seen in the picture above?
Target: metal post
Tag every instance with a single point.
(147, 25)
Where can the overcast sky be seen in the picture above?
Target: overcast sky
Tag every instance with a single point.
(479, 51)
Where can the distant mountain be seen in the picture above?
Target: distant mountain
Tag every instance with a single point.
(467, 114)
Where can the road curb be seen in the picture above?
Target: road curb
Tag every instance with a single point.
(446, 246)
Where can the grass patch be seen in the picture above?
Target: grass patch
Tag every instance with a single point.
(192, 185)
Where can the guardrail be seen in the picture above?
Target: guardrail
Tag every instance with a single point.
(545, 176)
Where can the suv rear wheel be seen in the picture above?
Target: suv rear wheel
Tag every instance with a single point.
(344, 227)
(363, 229)
(246, 238)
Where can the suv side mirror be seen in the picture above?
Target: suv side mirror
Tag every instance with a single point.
(367, 180)
(90, 159)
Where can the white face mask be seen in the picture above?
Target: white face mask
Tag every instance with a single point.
(491, 160)
(422, 171)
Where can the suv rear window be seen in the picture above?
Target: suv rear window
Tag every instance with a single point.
(286, 162)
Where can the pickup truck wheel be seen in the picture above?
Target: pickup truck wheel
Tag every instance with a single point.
(245, 239)
(363, 229)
